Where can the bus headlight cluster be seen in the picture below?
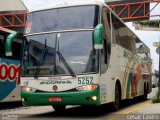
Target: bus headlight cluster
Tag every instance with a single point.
(87, 87)
(28, 89)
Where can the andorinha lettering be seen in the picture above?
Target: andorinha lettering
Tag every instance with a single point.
(10, 72)
(56, 82)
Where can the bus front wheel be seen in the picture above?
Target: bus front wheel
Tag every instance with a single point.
(59, 108)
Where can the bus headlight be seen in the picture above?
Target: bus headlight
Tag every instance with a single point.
(87, 87)
(28, 89)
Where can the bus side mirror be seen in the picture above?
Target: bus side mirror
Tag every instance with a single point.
(98, 37)
(9, 40)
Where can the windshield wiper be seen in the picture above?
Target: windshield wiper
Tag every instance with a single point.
(40, 61)
(66, 64)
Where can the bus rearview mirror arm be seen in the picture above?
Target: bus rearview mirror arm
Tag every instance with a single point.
(9, 40)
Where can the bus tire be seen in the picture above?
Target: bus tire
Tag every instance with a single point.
(145, 92)
(116, 103)
(59, 108)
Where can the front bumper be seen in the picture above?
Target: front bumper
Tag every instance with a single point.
(68, 98)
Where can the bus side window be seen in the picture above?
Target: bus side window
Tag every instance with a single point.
(142, 50)
(124, 37)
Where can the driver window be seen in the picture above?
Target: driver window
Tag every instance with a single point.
(105, 52)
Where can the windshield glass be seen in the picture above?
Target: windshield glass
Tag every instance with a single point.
(77, 17)
(60, 53)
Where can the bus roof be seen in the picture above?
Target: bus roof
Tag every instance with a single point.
(6, 30)
(67, 3)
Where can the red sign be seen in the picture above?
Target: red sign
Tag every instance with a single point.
(55, 99)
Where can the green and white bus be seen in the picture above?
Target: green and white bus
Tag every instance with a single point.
(81, 53)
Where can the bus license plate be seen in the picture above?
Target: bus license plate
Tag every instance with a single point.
(54, 99)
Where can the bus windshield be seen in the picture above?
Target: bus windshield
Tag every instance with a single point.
(62, 53)
(67, 18)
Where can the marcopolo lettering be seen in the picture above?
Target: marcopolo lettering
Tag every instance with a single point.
(56, 82)
(10, 72)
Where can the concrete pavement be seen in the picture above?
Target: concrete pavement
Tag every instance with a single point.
(148, 111)
(153, 108)
(144, 111)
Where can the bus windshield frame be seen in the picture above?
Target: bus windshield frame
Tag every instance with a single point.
(63, 18)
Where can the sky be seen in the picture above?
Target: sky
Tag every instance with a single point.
(148, 37)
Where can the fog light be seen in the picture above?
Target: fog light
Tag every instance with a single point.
(94, 98)
(23, 99)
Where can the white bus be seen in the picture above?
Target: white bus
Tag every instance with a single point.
(81, 53)
(9, 66)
